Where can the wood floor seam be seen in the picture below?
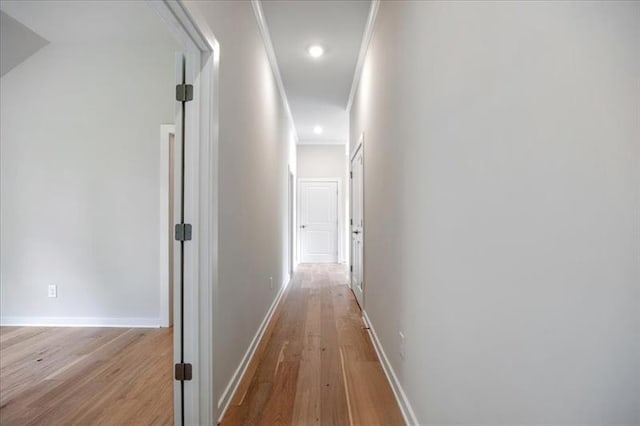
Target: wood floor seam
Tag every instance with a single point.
(316, 365)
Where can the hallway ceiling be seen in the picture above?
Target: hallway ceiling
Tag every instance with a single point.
(317, 89)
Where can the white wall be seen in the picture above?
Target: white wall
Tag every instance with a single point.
(256, 143)
(327, 161)
(79, 202)
(502, 149)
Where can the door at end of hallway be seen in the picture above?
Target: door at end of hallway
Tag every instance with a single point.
(318, 219)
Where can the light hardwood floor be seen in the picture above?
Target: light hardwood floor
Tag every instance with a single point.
(83, 376)
(316, 363)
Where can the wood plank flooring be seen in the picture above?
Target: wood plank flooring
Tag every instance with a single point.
(82, 376)
(315, 364)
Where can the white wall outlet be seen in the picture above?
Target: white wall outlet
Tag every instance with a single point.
(271, 282)
(403, 352)
(52, 290)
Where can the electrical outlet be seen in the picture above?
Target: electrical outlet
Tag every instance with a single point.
(52, 290)
(403, 352)
(271, 282)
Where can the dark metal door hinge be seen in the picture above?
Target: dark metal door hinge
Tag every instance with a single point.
(184, 372)
(183, 232)
(351, 268)
(184, 92)
(351, 175)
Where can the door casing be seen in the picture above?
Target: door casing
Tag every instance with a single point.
(340, 215)
(202, 54)
(358, 292)
(291, 201)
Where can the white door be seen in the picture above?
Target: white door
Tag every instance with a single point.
(318, 222)
(291, 225)
(357, 226)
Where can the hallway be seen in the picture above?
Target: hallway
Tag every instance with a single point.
(317, 212)
(316, 363)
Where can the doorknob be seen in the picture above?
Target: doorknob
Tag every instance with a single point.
(303, 226)
(356, 232)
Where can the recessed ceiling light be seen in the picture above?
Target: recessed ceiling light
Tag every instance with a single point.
(317, 130)
(315, 51)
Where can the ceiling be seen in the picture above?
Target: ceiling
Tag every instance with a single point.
(317, 89)
(96, 21)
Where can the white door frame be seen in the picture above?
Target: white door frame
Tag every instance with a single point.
(359, 147)
(291, 213)
(166, 309)
(201, 199)
(340, 214)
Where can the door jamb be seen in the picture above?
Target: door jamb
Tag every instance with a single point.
(201, 186)
(166, 130)
(358, 147)
(340, 214)
(291, 207)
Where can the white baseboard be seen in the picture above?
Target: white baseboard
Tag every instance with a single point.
(80, 322)
(232, 386)
(401, 397)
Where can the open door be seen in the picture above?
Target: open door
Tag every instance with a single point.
(196, 221)
(357, 224)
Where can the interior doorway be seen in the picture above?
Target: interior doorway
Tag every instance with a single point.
(85, 237)
(357, 223)
(318, 218)
(291, 185)
(84, 228)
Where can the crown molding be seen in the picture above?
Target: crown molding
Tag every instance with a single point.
(366, 39)
(271, 54)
